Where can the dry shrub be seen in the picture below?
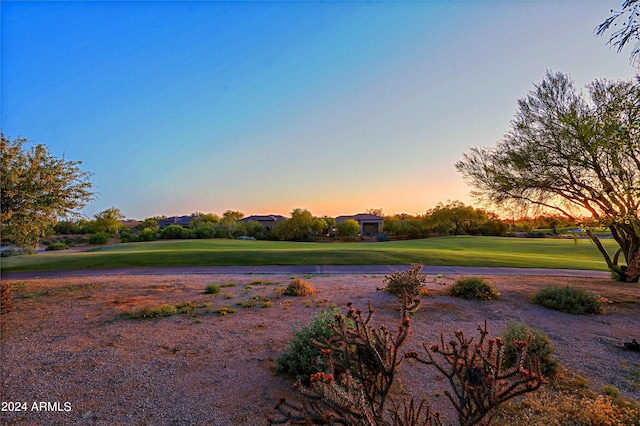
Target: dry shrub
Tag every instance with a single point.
(6, 305)
(299, 287)
(568, 403)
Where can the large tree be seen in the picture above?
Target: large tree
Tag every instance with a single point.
(36, 189)
(574, 154)
(456, 218)
(628, 31)
(109, 221)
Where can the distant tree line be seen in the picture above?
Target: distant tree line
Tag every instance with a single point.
(451, 218)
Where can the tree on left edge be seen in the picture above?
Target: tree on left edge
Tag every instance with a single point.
(36, 190)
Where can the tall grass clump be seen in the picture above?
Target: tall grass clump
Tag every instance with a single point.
(571, 300)
(538, 345)
(473, 288)
(212, 289)
(164, 310)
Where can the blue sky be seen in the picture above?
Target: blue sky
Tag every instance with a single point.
(262, 107)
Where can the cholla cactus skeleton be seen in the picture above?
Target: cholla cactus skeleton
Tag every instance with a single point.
(476, 374)
(365, 360)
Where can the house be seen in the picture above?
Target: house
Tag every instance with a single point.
(183, 221)
(268, 221)
(370, 224)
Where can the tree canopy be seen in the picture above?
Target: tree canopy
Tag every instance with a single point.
(36, 190)
(629, 30)
(573, 154)
(300, 227)
(109, 221)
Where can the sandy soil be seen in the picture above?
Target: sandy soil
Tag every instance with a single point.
(67, 344)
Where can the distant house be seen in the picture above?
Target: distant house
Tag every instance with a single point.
(183, 221)
(370, 224)
(268, 221)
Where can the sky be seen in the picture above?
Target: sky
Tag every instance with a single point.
(263, 107)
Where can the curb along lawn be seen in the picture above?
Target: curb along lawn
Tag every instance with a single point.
(444, 251)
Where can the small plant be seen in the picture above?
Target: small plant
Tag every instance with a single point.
(473, 288)
(164, 310)
(262, 301)
(299, 287)
(6, 303)
(300, 358)
(409, 284)
(229, 295)
(225, 310)
(212, 289)
(192, 307)
(611, 391)
(231, 284)
(538, 344)
(571, 300)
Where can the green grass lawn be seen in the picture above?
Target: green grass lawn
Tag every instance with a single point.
(446, 251)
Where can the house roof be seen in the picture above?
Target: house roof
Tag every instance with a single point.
(264, 218)
(361, 217)
(175, 220)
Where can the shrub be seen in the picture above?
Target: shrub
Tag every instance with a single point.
(164, 310)
(571, 300)
(568, 402)
(538, 344)
(99, 238)
(382, 237)
(174, 232)
(57, 246)
(225, 310)
(299, 287)
(473, 288)
(212, 289)
(300, 358)
(147, 234)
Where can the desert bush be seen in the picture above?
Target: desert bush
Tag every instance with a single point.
(259, 300)
(224, 310)
(473, 288)
(571, 300)
(99, 238)
(568, 401)
(300, 358)
(409, 284)
(164, 310)
(212, 289)
(57, 246)
(6, 302)
(299, 287)
(538, 344)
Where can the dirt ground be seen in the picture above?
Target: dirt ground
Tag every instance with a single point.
(68, 348)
